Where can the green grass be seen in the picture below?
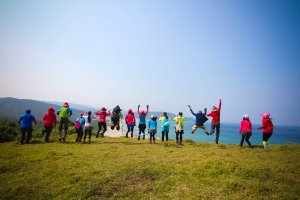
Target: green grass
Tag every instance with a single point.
(122, 168)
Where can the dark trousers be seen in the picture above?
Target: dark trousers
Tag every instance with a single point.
(23, 135)
(142, 128)
(215, 125)
(246, 136)
(79, 132)
(88, 130)
(163, 134)
(179, 137)
(102, 126)
(266, 136)
(64, 122)
(152, 136)
(115, 123)
(48, 130)
(130, 129)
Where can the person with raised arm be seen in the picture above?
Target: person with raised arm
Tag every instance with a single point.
(215, 122)
(200, 120)
(142, 123)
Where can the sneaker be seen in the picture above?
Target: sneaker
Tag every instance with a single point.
(217, 142)
(207, 133)
(59, 139)
(64, 139)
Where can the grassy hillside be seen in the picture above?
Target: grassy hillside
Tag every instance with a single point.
(122, 168)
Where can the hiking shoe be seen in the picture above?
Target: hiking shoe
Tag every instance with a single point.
(59, 139)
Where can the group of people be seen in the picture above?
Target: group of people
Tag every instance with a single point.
(84, 127)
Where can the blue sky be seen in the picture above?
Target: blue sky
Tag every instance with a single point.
(167, 54)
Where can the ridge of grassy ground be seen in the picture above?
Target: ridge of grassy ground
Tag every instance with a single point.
(124, 168)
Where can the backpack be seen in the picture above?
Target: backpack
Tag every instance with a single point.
(77, 125)
(179, 125)
(63, 113)
(166, 123)
(115, 116)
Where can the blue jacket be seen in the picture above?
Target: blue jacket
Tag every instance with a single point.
(26, 120)
(142, 119)
(200, 117)
(81, 121)
(152, 124)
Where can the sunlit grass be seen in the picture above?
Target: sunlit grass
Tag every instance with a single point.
(124, 168)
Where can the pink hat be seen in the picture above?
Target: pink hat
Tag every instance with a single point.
(142, 112)
(81, 114)
(246, 116)
(265, 115)
(66, 104)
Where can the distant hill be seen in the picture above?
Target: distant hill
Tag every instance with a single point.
(13, 108)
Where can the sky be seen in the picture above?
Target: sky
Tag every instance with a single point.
(168, 54)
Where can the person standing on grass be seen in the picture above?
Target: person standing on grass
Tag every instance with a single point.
(130, 121)
(64, 113)
(215, 123)
(102, 121)
(179, 119)
(49, 122)
(25, 122)
(80, 121)
(115, 118)
(152, 128)
(142, 124)
(246, 130)
(88, 126)
(267, 127)
(200, 120)
(165, 125)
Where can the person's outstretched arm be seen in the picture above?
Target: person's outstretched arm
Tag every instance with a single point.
(147, 109)
(139, 109)
(205, 111)
(219, 107)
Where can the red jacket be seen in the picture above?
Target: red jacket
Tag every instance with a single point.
(102, 115)
(215, 114)
(246, 126)
(267, 125)
(50, 118)
(130, 119)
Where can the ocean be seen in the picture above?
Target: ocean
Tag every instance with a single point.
(229, 134)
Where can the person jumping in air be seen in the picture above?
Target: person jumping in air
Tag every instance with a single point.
(215, 123)
(165, 125)
(115, 118)
(25, 122)
(246, 130)
(152, 128)
(64, 113)
(102, 121)
(200, 120)
(49, 122)
(179, 119)
(130, 121)
(142, 124)
(79, 127)
(267, 127)
(88, 126)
